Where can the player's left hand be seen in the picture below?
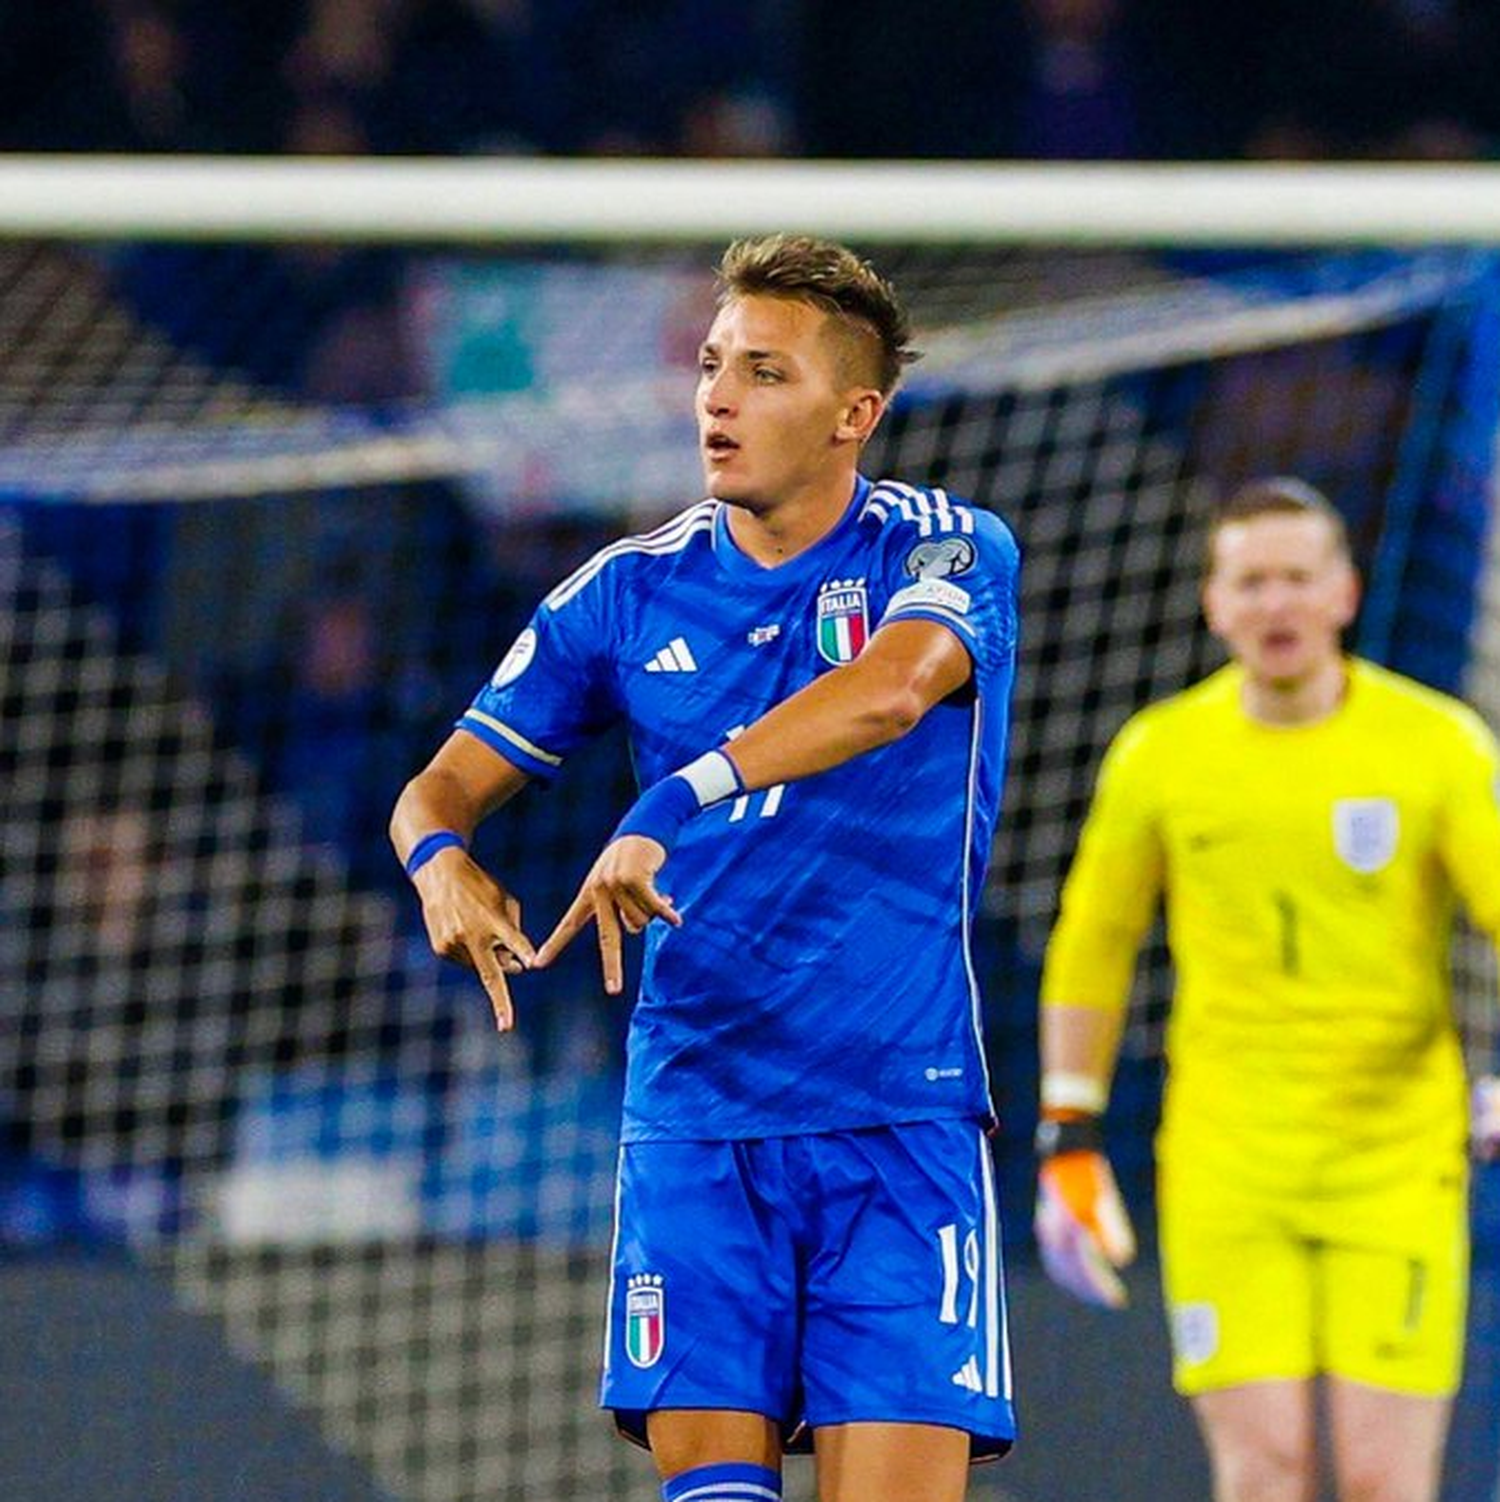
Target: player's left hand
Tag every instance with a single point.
(1484, 1118)
(618, 894)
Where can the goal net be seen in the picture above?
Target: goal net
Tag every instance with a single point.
(270, 512)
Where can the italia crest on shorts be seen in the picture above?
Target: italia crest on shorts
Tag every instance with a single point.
(843, 620)
(645, 1319)
(1365, 832)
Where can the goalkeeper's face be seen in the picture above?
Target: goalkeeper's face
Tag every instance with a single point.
(780, 418)
(1279, 594)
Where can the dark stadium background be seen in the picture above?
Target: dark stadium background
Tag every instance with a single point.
(348, 668)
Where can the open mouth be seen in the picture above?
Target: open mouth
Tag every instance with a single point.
(719, 444)
(1279, 643)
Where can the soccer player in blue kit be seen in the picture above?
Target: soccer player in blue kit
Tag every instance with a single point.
(815, 672)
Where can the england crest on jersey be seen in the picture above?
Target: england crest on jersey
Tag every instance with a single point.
(645, 1319)
(1365, 833)
(843, 620)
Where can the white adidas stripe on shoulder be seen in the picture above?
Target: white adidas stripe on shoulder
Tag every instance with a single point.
(671, 537)
(931, 511)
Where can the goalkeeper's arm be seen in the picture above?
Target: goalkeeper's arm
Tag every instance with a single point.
(1083, 1231)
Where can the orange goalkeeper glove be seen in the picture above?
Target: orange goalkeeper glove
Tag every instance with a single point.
(1082, 1229)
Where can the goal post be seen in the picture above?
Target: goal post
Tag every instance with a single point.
(288, 450)
(514, 200)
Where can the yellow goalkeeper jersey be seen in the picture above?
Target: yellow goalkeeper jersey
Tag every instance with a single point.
(1309, 875)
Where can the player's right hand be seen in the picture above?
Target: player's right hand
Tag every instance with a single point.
(1082, 1229)
(472, 919)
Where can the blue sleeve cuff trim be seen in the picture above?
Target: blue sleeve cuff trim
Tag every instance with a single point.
(529, 759)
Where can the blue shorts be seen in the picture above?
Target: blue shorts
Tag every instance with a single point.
(826, 1279)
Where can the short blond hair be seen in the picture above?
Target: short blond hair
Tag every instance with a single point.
(1277, 495)
(831, 277)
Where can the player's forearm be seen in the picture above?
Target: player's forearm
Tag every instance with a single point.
(431, 800)
(1080, 1045)
(874, 700)
(906, 669)
(1108, 902)
(456, 791)
(828, 723)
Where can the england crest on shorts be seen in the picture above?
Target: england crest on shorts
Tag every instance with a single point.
(1195, 1332)
(645, 1319)
(1365, 833)
(843, 620)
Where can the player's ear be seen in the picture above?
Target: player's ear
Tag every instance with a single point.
(1208, 603)
(862, 411)
(1353, 589)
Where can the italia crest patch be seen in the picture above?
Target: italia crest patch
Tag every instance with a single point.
(645, 1319)
(1366, 832)
(843, 620)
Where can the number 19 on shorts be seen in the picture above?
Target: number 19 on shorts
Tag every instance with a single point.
(959, 1280)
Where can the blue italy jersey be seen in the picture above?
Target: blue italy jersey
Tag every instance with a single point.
(821, 978)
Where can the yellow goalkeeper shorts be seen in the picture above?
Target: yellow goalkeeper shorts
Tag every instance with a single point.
(1372, 1289)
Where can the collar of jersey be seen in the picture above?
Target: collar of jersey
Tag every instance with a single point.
(1233, 682)
(811, 561)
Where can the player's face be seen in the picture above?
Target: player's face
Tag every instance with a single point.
(776, 410)
(1279, 596)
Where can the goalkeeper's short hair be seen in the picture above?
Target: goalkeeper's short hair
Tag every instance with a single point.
(1276, 495)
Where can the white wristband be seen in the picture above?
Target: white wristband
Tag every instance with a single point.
(1066, 1090)
(713, 778)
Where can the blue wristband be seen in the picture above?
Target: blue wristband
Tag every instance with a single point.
(429, 845)
(661, 811)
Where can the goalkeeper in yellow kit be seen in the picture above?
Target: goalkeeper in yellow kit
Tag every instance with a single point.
(1309, 820)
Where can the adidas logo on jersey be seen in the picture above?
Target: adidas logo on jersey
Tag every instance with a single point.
(675, 657)
(968, 1376)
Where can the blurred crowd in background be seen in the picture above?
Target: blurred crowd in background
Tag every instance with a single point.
(1042, 79)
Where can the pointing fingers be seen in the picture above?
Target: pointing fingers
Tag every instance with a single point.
(619, 895)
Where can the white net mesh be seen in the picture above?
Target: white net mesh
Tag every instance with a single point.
(230, 1050)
